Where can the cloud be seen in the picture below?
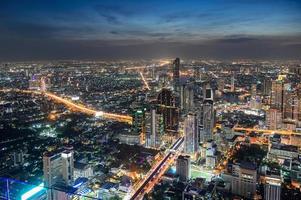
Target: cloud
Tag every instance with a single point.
(114, 14)
(237, 40)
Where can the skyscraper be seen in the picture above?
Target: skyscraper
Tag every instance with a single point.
(176, 74)
(232, 83)
(186, 98)
(155, 129)
(58, 167)
(207, 115)
(167, 107)
(191, 134)
(183, 168)
(67, 166)
(277, 94)
(274, 119)
(267, 86)
(244, 179)
(138, 126)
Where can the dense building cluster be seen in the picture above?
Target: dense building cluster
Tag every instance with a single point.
(199, 129)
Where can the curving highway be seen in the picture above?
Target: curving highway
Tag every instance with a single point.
(76, 107)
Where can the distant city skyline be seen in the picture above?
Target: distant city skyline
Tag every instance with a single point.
(48, 30)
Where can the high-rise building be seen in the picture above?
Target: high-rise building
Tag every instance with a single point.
(272, 188)
(67, 166)
(186, 98)
(58, 168)
(138, 126)
(291, 106)
(232, 83)
(267, 86)
(167, 107)
(191, 143)
(274, 119)
(183, 168)
(277, 91)
(208, 116)
(155, 129)
(176, 74)
(244, 179)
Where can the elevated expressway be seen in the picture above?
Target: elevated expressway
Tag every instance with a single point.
(76, 107)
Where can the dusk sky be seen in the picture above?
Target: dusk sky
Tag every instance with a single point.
(91, 29)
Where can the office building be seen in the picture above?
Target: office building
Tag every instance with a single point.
(207, 115)
(277, 97)
(232, 84)
(67, 167)
(274, 119)
(186, 98)
(176, 74)
(191, 144)
(82, 170)
(183, 168)
(244, 179)
(58, 167)
(267, 87)
(138, 121)
(155, 129)
(167, 107)
(272, 188)
(291, 106)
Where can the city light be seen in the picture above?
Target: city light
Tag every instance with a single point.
(144, 81)
(33, 192)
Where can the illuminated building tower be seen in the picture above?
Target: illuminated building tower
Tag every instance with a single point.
(148, 132)
(272, 188)
(139, 121)
(183, 168)
(267, 86)
(186, 98)
(155, 129)
(207, 116)
(232, 83)
(67, 166)
(274, 119)
(244, 180)
(58, 168)
(291, 106)
(176, 74)
(191, 144)
(298, 91)
(166, 107)
(277, 94)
